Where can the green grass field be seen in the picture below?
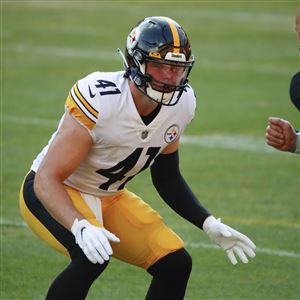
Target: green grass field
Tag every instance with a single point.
(246, 53)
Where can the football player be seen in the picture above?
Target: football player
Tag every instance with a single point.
(115, 125)
(280, 133)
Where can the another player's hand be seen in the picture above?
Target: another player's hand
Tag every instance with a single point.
(232, 241)
(93, 240)
(280, 134)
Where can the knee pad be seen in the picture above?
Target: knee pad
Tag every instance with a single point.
(184, 261)
(79, 259)
(178, 263)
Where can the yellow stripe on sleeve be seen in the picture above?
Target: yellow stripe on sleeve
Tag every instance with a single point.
(91, 109)
(75, 110)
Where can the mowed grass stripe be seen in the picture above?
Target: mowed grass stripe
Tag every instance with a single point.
(113, 56)
(228, 141)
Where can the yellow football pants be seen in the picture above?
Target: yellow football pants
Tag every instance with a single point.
(144, 238)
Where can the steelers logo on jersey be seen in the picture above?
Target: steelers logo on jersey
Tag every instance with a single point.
(171, 133)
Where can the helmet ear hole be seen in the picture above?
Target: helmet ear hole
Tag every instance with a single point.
(137, 55)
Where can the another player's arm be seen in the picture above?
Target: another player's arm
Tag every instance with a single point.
(68, 149)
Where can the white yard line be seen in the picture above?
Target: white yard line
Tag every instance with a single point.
(30, 121)
(9, 223)
(229, 141)
(64, 52)
(273, 252)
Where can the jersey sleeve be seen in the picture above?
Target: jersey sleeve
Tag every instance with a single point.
(81, 103)
(191, 104)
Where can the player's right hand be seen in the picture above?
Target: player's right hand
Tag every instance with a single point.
(93, 240)
(281, 134)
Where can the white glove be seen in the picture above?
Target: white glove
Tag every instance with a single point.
(93, 240)
(232, 241)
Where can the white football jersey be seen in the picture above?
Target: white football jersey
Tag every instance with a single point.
(123, 145)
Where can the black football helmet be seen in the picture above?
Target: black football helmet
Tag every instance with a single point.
(163, 41)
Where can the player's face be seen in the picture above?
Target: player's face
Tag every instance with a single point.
(165, 76)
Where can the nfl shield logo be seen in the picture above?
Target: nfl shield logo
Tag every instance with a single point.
(144, 134)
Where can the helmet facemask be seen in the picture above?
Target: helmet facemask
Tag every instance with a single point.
(157, 88)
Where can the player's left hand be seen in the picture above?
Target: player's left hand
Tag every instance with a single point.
(232, 241)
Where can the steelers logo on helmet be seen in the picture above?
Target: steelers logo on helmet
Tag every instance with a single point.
(132, 39)
(171, 133)
(161, 43)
